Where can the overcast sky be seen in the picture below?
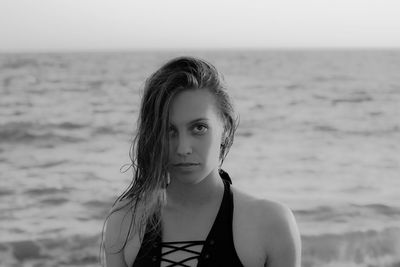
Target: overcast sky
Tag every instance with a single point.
(176, 24)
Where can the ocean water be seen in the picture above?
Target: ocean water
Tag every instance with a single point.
(319, 131)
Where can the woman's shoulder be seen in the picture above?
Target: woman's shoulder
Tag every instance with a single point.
(272, 223)
(265, 210)
(119, 225)
(122, 241)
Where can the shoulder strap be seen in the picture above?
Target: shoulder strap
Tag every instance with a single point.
(225, 176)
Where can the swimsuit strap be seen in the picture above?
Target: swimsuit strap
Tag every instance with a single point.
(225, 176)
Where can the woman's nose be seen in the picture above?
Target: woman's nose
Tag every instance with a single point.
(184, 146)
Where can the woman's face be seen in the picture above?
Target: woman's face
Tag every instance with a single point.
(195, 136)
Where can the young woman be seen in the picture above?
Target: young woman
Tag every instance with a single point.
(181, 209)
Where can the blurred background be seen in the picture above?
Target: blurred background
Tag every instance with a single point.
(316, 85)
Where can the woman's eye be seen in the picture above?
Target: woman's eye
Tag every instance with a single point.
(171, 131)
(200, 129)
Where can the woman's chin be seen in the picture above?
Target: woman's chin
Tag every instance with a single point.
(186, 177)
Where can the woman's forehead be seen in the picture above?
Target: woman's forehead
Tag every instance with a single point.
(192, 105)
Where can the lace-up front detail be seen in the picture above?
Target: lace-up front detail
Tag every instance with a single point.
(190, 250)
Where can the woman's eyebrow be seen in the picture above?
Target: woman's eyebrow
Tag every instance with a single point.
(193, 121)
(198, 120)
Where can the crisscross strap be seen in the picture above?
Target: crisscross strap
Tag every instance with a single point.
(180, 246)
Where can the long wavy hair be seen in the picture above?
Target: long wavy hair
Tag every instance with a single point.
(149, 150)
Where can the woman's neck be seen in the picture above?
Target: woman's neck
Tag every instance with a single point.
(191, 195)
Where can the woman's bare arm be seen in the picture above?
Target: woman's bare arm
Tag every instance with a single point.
(118, 232)
(285, 246)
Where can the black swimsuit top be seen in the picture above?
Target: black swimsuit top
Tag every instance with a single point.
(217, 250)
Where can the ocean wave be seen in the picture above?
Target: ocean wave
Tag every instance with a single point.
(376, 132)
(381, 209)
(54, 201)
(346, 213)
(50, 164)
(5, 192)
(46, 191)
(69, 125)
(379, 132)
(54, 133)
(369, 248)
(61, 251)
(21, 132)
(29, 132)
(333, 78)
(325, 128)
(352, 100)
(106, 130)
(29, 137)
(19, 63)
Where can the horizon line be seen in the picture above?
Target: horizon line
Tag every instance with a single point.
(197, 49)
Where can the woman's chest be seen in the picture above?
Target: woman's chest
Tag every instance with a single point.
(192, 225)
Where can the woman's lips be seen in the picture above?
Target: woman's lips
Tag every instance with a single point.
(186, 166)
